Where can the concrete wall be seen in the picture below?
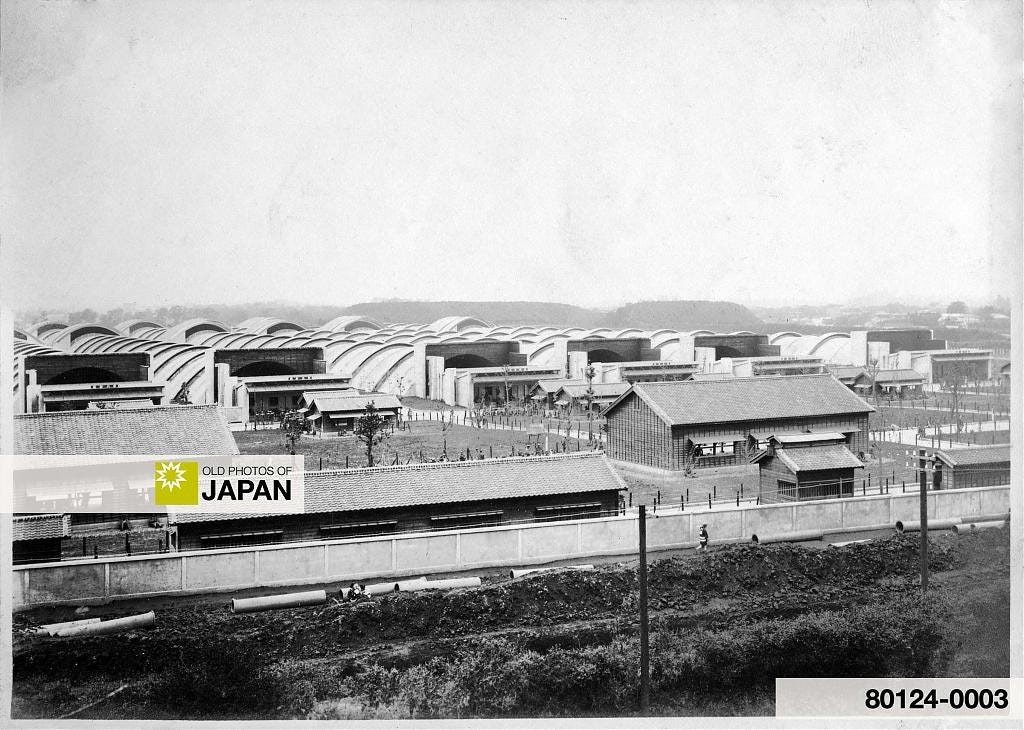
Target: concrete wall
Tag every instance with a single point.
(99, 581)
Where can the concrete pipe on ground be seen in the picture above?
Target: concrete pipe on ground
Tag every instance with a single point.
(971, 526)
(282, 600)
(377, 589)
(787, 537)
(113, 626)
(54, 629)
(849, 542)
(416, 584)
(946, 524)
(520, 572)
(448, 583)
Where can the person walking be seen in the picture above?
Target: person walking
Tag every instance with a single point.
(703, 547)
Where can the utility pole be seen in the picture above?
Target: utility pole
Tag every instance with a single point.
(645, 659)
(923, 480)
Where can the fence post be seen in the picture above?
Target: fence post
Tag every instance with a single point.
(682, 504)
(709, 501)
(127, 545)
(737, 499)
(83, 547)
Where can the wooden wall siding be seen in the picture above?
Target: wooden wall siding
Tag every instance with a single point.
(838, 482)
(857, 441)
(981, 475)
(772, 470)
(638, 435)
(299, 528)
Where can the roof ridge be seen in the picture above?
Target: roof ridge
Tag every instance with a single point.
(108, 411)
(468, 463)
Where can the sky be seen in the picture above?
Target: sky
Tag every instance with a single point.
(161, 153)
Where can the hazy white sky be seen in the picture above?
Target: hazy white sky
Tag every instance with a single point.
(592, 153)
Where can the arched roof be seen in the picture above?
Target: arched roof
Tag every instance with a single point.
(349, 322)
(132, 326)
(456, 322)
(267, 326)
(46, 325)
(191, 327)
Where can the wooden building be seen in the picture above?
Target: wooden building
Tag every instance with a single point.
(573, 397)
(671, 426)
(972, 466)
(899, 383)
(447, 495)
(336, 412)
(801, 466)
(38, 538)
(116, 432)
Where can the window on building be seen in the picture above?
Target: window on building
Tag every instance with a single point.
(581, 511)
(787, 490)
(241, 539)
(468, 519)
(358, 529)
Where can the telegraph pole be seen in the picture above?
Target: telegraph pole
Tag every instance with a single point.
(645, 659)
(923, 480)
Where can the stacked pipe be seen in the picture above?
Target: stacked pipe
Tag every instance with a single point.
(113, 626)
(787, 537)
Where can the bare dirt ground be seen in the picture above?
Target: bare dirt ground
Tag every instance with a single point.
(321, 646)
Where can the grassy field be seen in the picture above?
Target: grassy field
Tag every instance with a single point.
(423, 439)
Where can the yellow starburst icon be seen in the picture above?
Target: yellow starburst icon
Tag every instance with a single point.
(177, 482)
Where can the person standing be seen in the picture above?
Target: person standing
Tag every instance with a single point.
(703, 547)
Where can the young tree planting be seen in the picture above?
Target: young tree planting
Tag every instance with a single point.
(371, 429)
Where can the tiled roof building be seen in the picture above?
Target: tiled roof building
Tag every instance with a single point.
(353, 502)
(973, 466)
(806, 466)
(155, 430)
(713, 422)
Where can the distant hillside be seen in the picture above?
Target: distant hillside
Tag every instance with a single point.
(496, 312)
(684, 315)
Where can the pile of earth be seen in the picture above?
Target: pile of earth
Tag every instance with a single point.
(772, 579)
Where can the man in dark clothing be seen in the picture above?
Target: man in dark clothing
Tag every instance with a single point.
(703, 547)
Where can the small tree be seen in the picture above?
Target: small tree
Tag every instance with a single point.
(955, 375)
(371, 428)
(588, 396)
(504, 379)
(293, 423)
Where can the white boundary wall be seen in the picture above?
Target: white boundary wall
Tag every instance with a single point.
(209, 571)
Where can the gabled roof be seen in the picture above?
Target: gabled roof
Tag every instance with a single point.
(40, 527)
(601, 390)
(332, 402)
(816, 458)
(191, 430)
(349, 490)
(901, 375)
(746, 399)
(850, 373)
(553, 386)
(975, 455)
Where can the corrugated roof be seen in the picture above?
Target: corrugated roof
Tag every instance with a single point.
(40, 527)
(815, 458)
(192, 430)
(975, 455)
(444, 483)
(748, 399)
